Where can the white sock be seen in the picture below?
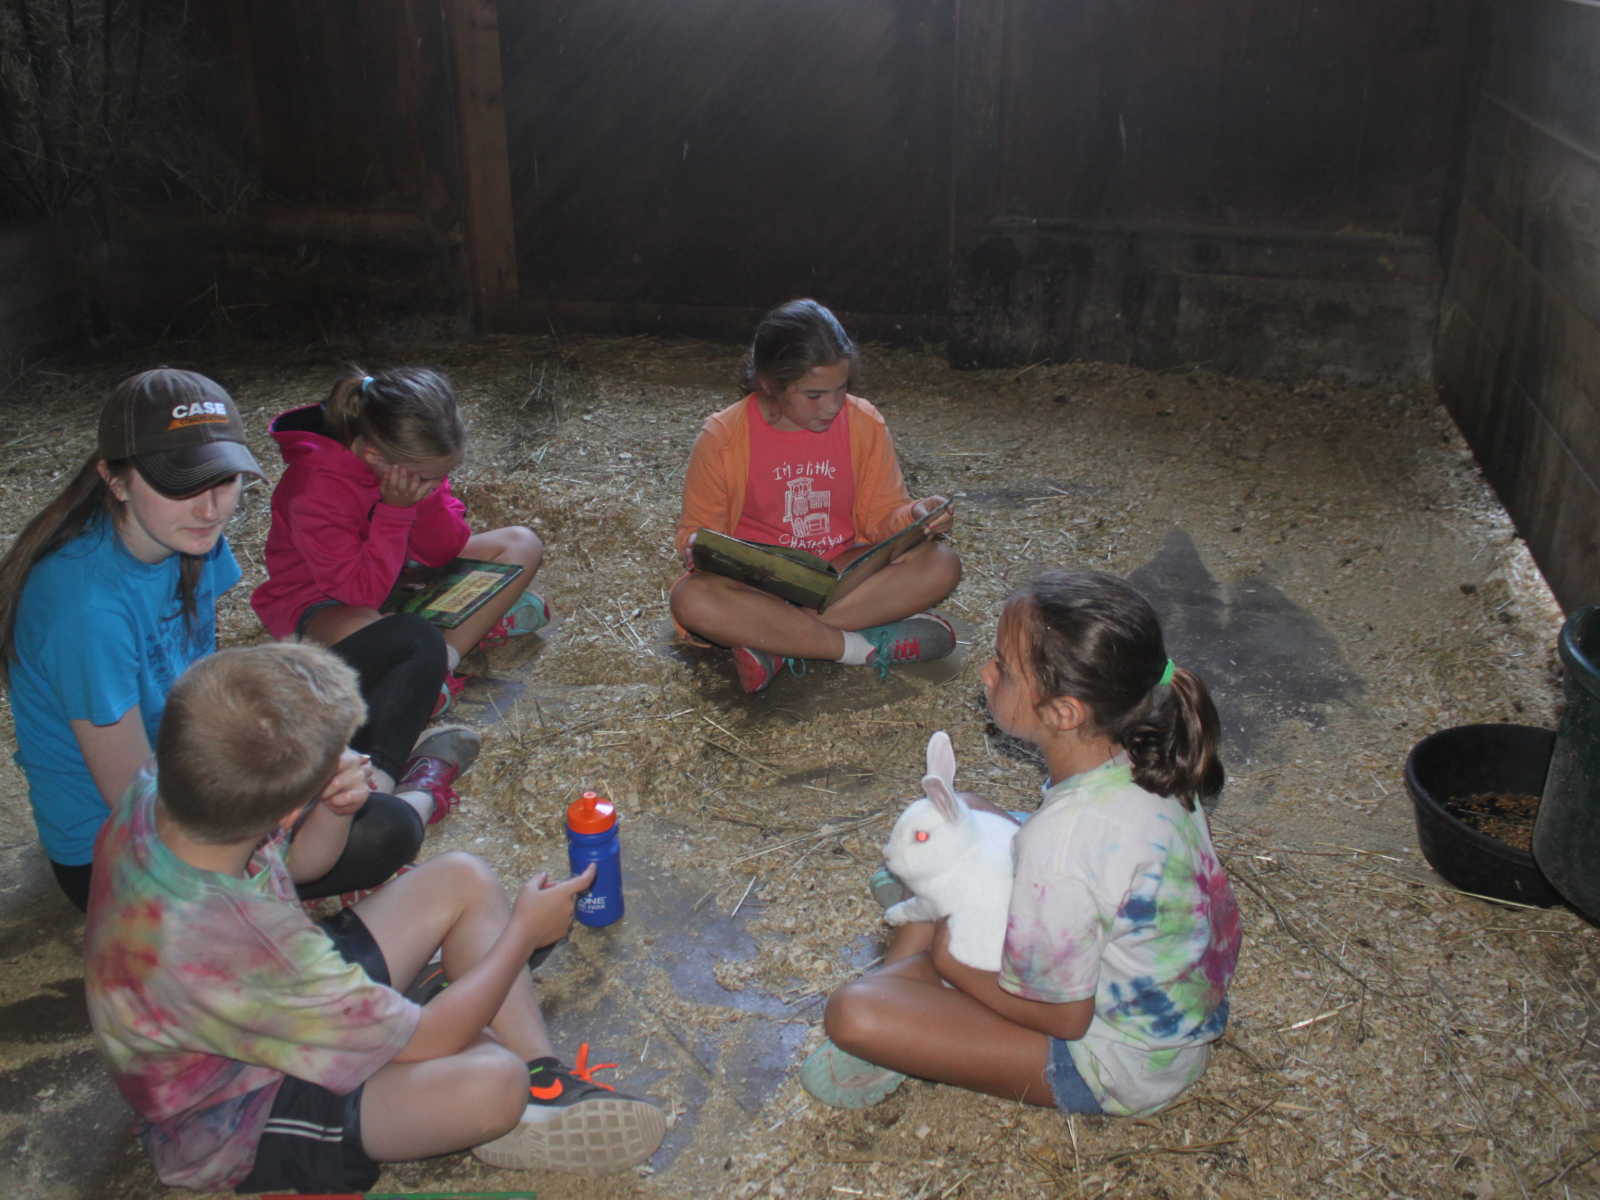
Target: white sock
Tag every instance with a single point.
(452, 657)
(856, 649)
(421, 801)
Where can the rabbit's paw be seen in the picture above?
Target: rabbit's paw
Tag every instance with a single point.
(913, 909)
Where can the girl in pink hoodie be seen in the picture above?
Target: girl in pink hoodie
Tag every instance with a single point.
(365, 491)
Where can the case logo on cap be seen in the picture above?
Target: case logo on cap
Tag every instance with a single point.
(201, 412)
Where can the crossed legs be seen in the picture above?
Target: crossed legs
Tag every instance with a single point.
(452, 903)
(904, 1016)
(730, 613)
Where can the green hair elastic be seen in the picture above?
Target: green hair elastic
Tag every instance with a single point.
(1166, 675)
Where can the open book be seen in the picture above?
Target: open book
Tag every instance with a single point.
(448, 595)
(796, 575)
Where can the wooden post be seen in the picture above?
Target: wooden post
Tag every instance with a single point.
(473, 28)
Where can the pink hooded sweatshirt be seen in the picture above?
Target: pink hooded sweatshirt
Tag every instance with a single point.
(332, 538)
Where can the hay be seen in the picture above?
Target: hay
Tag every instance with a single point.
(1389, 1036)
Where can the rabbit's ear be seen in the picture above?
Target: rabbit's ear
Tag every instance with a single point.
(944, 799)
(942, 759)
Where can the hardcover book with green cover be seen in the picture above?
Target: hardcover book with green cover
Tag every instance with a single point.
(448, 595)
(796, 575)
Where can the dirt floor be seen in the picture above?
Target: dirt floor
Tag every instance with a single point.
(1330, 559)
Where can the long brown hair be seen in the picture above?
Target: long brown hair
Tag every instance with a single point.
(84, 501)
(1091, 636)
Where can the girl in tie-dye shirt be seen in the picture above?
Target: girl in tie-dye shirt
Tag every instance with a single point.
(1123, 932)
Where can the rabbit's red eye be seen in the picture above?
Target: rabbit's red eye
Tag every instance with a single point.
(922, 835)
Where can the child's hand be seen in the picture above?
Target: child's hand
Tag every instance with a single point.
(401, 487)
(346, 792)
(545, 909)
(926, 505)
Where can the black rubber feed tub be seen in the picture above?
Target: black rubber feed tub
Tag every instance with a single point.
(1469, 760)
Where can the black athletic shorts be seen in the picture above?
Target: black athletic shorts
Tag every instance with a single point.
(312, 1140)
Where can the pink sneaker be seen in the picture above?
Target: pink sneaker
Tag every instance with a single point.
(757, 668)
(438, 759)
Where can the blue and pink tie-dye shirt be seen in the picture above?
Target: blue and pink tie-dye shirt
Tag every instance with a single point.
(1118, 895)
(205, 990)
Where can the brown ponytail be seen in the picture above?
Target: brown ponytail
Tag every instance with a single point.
(1094, 638)
(409, 414)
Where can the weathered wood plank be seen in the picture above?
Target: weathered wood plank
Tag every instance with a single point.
(1544, 196)
(491, 246)
(1544, 63)
(1518, 366)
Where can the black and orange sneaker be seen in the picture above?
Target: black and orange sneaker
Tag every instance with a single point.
(575, 1123)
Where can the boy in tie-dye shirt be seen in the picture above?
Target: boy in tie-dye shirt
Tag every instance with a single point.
(263, 1051)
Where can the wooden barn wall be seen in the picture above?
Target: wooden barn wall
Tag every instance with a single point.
(345, 114)
(722, 154)
(42, 297)
(1250, 184)
(1155, 182)
(1518, 356)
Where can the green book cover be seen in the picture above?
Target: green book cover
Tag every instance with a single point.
(795, 575)
(448, 595)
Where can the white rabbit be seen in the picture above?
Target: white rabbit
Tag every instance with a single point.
(957, 862)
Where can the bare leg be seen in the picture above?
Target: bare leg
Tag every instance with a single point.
(337, 622)
(912, 583)
(416, 1110)
(734, 614)
(903, 1016)
(513, 544)
(453, 902)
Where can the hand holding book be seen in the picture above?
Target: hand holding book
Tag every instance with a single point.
(802, 578)
(942, 523)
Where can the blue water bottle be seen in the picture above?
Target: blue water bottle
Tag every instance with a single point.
(592, 838)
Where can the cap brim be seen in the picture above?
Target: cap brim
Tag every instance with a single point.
(195, 468)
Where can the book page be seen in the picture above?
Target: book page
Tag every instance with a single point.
(465, 593)
(884, 553)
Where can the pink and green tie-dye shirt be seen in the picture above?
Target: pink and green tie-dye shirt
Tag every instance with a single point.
(1118, 895)
(205, 990)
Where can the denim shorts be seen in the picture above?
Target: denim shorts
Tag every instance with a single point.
(1066, 1084)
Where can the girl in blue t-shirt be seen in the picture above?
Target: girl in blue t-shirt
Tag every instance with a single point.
(110, 592)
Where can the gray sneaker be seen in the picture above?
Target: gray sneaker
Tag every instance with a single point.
(886, 888)
(442, 754)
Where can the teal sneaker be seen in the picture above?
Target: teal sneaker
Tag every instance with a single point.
(842, 1080)
(920, 637)
(528, 614)
(886, 888)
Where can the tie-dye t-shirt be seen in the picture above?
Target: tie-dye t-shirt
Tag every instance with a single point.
(1119, 895)
(205, 990)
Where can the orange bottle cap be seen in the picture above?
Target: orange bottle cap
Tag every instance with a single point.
(591, 813)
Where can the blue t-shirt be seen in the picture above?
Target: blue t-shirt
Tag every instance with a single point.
(98, 632)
